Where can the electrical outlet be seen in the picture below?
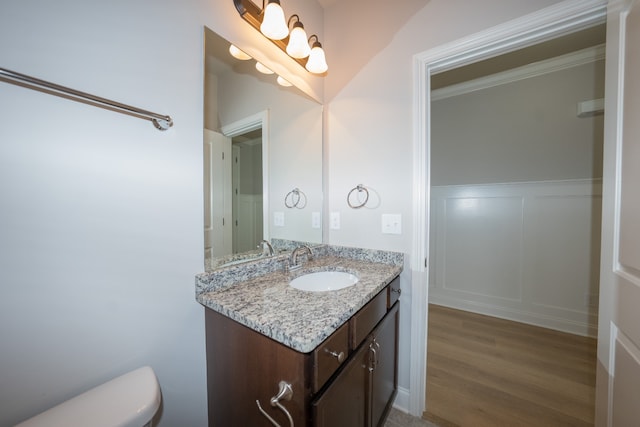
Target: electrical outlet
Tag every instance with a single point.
(278, 219)
(315, 219)
(334, 221)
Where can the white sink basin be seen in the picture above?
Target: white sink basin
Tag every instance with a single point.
(323, 281)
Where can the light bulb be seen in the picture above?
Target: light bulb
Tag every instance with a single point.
(317, 63)
(298, 46)
(238, 54)
(273, 24)
(264, 70)
(283, 82)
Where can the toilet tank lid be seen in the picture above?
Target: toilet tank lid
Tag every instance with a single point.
(129, 400)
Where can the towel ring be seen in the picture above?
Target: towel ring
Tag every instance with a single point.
(360, 188)
(294, 198)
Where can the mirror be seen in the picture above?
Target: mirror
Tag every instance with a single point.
(263, 160)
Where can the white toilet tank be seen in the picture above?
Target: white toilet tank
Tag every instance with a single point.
(130, 400)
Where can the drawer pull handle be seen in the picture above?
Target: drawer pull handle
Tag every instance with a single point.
(373, 360)
(398, 291)
(339, 356)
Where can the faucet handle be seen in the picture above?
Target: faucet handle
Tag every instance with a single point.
(267, 249)
(293, 260)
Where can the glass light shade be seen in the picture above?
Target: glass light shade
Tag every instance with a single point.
(273, 24)
(283, 82)
(317, 63)
(264, 70)
(238, 54)
(298, 46)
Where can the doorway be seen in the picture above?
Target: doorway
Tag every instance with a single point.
(551, 22)
(236, 190)
(247, 191)
(515, 232)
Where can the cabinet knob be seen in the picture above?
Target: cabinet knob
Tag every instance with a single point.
(398, 291)
(339, 356)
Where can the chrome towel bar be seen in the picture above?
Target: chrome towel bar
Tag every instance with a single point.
(160, 121)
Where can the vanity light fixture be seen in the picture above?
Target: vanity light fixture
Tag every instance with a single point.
(316, 63)
(238, 54)
(283, 82)
(264, 70)
(273, 24)
(298, 46)
(295, 44)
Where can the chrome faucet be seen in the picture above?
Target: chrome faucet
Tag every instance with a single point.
(293, 261)
(267, 249)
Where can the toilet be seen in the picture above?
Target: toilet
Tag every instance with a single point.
(130, 400)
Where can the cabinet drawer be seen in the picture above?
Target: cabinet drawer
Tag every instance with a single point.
(394, 292)
(329, 356)
(363, 322)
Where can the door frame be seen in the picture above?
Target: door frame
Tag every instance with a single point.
(554, 21)
(239, 127)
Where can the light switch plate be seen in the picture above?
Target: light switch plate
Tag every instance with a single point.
(391, 224)
(315, 219)
(334, 221)
(278, 219)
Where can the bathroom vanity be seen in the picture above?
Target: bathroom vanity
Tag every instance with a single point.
(320, 358)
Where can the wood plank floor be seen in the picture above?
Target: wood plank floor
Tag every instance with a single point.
(485, 371)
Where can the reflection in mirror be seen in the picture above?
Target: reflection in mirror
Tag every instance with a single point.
(232, 191)
(261, 140)
(246, 180)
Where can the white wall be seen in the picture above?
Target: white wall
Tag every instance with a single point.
(513, 248)
(526, 130)
(102, 215)
(101, 220)
(369, 118)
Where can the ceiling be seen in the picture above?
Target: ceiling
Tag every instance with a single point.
(326, 3)
(219, 61)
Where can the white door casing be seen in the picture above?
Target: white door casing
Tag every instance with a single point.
(557, 20)
(257, 121)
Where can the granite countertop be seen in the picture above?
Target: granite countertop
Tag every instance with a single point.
(258, 295)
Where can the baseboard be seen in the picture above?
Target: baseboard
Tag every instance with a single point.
(402, 400)
(536, 319)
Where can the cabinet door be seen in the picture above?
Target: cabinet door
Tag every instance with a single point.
(237, 377)
(384, 377)
(342, 404)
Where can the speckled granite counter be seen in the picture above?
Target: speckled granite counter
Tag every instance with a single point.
(257, 294)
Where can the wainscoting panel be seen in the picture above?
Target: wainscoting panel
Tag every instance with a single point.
(528, 252)
(468, 267)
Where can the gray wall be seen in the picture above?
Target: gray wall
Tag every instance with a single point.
(522, 131)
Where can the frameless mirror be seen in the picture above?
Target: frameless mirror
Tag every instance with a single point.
(262, 159)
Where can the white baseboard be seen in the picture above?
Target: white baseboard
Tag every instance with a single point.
(530, 318)
(402, 400)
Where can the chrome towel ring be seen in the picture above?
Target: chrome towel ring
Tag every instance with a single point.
(295, 199)
(361, 189)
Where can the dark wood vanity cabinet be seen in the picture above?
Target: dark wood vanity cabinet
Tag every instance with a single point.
(349, 380)
(363, 392)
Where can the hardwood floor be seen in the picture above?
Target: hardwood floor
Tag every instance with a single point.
(484, 371)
